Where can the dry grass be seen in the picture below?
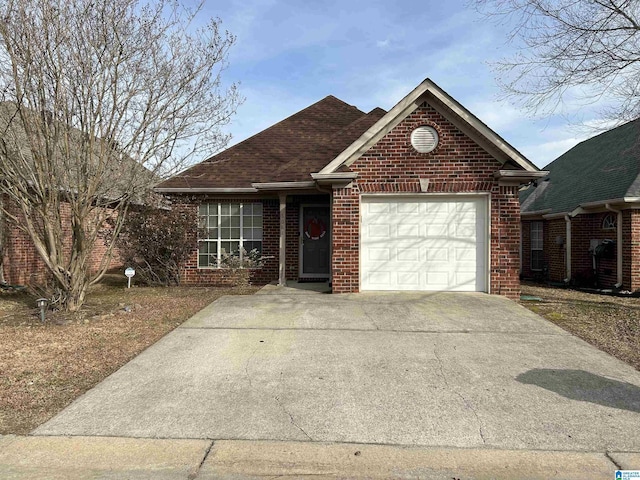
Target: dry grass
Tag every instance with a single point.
(610, 323)
(44, 367)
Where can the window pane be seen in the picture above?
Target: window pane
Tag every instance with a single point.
(224, 209)
(212, 234)
(225, 222)
(247, 209)
(257, 209)
(213, 221)
(257, 221)
(225, 233)
(257, 234)
(235, 221)
(247, 233)
(202, 209)
(249, 246)
(235, 209)
(536, 260)
(230, 248)
(234, 233)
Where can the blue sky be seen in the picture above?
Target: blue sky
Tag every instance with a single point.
(290, 54)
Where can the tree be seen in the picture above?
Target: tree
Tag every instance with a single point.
(582, 50)
(158, 242)
(101, 98)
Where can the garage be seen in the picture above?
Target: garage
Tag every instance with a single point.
(434, 243)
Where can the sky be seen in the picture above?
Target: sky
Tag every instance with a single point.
(290, 54)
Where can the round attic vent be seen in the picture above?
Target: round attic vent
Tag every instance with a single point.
(424, 139)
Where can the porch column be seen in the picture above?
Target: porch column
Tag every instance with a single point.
(282, 279)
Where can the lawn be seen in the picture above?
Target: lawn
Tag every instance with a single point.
(47, 366)
(610, 323)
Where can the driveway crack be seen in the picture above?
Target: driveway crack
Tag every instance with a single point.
(467, 404)
(292, 420)
(366, 314)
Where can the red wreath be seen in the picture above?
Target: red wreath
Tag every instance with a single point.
(315, 228)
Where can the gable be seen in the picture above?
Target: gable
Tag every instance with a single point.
(457, 157)
(464, 120)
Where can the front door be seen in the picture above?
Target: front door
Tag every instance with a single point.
(315, 249)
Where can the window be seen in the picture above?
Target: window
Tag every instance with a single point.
(609, 222)
(536, 246)
(228, 229)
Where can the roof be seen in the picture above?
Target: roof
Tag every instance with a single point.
(604, 167)
(320, 142)
(288, 151)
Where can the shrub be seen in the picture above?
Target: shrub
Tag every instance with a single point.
(157, 242)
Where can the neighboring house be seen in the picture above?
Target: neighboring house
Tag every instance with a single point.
(581, 224)
(423, 197)
(20, 263)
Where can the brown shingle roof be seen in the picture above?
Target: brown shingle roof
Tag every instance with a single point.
(288, 151)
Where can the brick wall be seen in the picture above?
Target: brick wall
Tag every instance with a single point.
(22, 263)
(458, 165)
(584, 228)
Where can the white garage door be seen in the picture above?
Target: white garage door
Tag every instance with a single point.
(435, 243)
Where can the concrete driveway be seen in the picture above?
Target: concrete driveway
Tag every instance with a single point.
(415, 369)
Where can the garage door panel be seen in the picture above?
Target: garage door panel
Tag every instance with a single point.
(379, 231)
(423, 243)
(408, 230)
(408, 254)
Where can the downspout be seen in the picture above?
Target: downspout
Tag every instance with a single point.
(567, 220)
(618, 244)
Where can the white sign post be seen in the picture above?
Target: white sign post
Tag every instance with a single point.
(129, 272)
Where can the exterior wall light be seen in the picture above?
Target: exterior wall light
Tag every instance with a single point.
(42, 304)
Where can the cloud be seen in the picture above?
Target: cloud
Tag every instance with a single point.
(383, 43)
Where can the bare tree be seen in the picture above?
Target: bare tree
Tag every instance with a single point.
(582, 50)
(101, 98)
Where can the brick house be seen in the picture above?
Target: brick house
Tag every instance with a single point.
(581, 224)
(422, 197)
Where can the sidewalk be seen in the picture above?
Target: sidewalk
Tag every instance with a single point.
(128, 458)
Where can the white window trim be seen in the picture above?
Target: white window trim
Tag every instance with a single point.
(219, 240)
(612, 220)
(541, 249)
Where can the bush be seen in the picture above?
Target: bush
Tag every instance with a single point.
(158, 242)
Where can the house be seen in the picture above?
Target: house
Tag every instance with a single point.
(422, 197)
(581, 223)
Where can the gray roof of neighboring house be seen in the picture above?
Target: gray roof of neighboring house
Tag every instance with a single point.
(605, 167)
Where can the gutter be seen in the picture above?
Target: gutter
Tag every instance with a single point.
(205, 190)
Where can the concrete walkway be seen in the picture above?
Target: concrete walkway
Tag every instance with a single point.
(407, 385)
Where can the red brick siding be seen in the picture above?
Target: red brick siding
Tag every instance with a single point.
(555, 252)
(22, 263)
(584, 228)
(458, 165)
(631, 249)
